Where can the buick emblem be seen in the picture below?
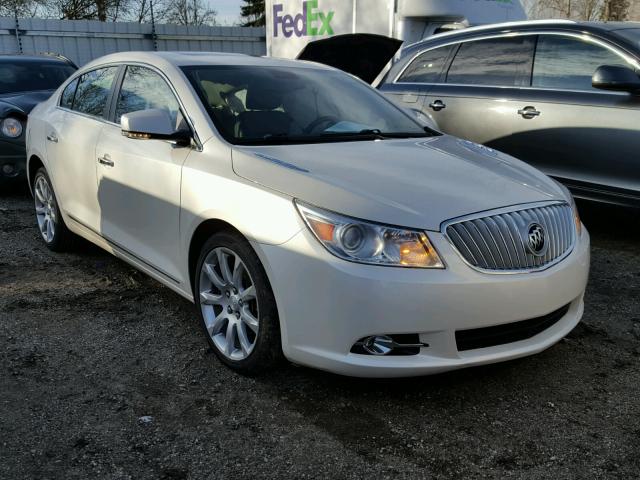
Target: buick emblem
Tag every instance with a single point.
(536, 240)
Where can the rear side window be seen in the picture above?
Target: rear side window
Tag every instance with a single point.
(427, 67)
(143, 89)
(504, 62)
(569, 63)
(93, 91)
(66, 100)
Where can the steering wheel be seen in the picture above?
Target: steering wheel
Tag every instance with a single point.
(328, 119)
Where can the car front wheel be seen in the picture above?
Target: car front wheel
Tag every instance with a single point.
(237, 307)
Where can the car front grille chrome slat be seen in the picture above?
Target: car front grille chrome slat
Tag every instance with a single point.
(518, 239)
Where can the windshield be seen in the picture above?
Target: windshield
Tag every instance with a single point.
(632, 34)
(29, 76)
(265, 105)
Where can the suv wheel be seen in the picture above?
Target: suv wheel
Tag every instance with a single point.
(237, 307)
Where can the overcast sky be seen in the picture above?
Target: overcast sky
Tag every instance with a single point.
(228, 10)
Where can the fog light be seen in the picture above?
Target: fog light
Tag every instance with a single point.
(378, 345)
(8, 169)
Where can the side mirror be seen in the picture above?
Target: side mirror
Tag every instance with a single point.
(153, 124)
(616, 78)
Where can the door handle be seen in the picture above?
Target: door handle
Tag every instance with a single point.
(106, 160)
(438, 105)
(529, 112)
(52, 138)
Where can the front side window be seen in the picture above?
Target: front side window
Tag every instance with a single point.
(32, 75)
(569, 63)
(274, 104)
(504, 62)
(427, 67)
(143, 89)
(93, 91)
(66, 99)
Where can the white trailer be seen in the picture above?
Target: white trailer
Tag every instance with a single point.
(292, 24)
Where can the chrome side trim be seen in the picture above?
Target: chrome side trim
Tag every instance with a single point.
(587, 37)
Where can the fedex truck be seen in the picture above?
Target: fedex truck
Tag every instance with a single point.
(292, 24)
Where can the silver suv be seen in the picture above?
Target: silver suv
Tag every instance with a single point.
(562, 96)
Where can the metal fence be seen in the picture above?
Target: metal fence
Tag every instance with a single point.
(83, 40)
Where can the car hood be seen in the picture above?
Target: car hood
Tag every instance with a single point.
(361, 54)
(416, 183)
(22, 102)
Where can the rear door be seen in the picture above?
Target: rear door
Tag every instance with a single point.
(139, 181)
(586, 137)
(72, 134)
(477, 97)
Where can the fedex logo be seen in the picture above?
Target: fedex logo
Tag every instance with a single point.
(310, 22)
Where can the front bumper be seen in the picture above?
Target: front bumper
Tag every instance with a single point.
(326, 305)
(13, 156)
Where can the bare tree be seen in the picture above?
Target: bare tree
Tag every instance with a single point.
(615, 10)
(187, 12)
(590, 10)
(21, 8)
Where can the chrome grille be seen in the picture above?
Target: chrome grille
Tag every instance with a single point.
(498, 242)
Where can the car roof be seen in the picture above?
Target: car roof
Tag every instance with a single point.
(181, 59)
(22, 58)
(584, 27)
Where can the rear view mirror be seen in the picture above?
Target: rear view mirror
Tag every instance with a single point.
(153, 124)
(616, 78)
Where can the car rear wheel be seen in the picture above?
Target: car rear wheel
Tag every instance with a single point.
(237, 307)
(51, 225)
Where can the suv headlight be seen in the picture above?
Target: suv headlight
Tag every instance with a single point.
(11, 127)
(364, 242)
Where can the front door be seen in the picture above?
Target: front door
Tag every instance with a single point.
(415, 82)
(476, 98)
(139, 180)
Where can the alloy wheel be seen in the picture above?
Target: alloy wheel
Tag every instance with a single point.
(45, 204)
(229, 303)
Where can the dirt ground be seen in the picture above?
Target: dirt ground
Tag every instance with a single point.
(104, 374)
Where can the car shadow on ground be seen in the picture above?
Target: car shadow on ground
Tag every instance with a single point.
(610, 222)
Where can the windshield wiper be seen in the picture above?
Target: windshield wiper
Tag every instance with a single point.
(361, 135)
(284, 139)
(379, 134)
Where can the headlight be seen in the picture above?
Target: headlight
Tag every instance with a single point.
(576, 216)
(370, 243)
(11, 127)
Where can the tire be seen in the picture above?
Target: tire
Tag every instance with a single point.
(230, 309)
(51, 226)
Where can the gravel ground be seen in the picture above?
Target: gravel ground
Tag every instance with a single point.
(106, 375)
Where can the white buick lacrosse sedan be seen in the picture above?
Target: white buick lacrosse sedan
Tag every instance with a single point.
(306, 215)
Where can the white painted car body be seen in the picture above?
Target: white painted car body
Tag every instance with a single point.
(147, 208)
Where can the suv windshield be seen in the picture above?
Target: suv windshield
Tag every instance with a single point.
(275, 105)
(26, 76)
(632, 34)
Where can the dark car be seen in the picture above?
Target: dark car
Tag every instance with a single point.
(562, 96)
(25, 81)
